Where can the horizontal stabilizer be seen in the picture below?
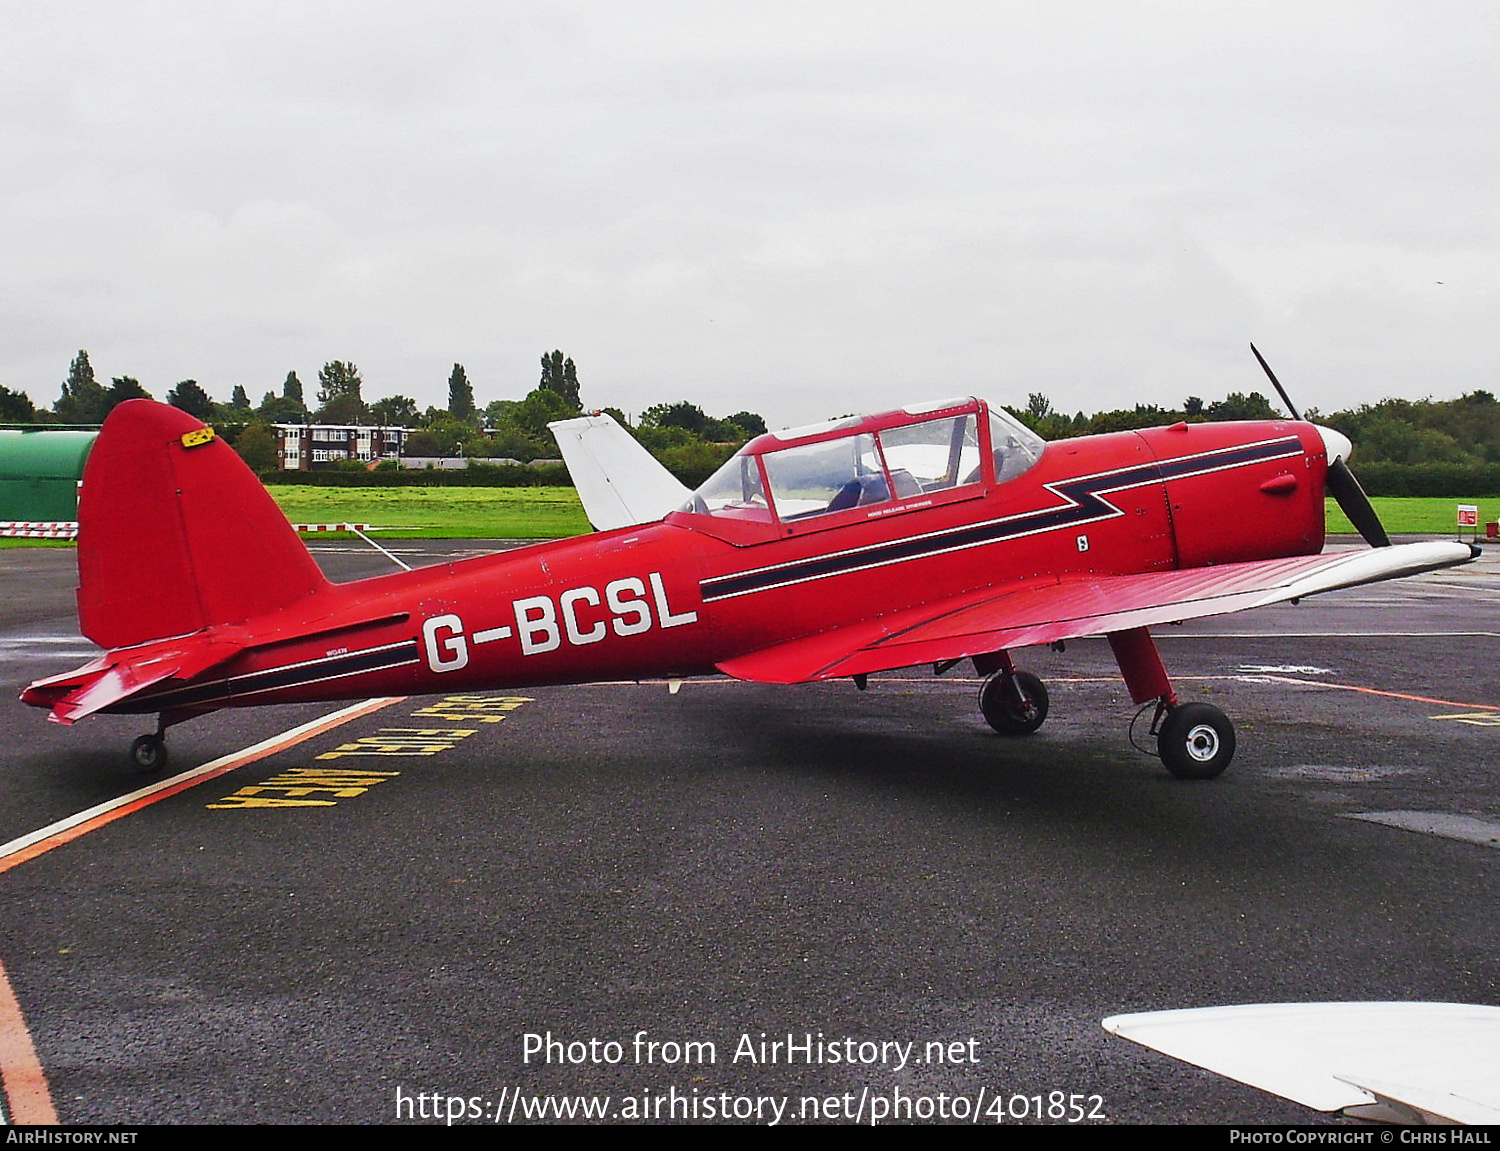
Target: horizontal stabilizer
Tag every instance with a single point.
(619, 482)
(1440, 1060)
(1046, 610)
(116, 677)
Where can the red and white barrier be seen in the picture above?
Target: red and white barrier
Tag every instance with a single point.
(68, 529)
(39, 529)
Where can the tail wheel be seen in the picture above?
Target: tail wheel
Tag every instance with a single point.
(149, 753)
(1013, 705)
(1196, 741)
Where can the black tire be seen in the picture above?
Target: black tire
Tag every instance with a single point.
(149, 753)
(1011, 713)
(1196, 741)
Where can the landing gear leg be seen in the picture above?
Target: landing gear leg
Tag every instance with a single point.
(1194, 740)
(1013, 702)
(149, 752)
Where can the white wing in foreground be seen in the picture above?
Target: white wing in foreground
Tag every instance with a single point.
(1402, 1061)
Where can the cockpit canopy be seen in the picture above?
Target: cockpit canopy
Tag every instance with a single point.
(803, 473)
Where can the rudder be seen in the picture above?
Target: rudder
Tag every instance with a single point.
(173, 538)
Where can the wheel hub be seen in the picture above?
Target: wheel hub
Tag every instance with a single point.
(1202, 742)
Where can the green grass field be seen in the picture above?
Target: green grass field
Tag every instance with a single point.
(1418, 515)
(440, 513)
(554, 513)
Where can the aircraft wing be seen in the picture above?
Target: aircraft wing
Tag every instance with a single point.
(619, 482)
(1440, 1060)
(1043, 611)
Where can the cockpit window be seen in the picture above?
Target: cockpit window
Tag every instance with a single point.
(1016, 447)
(932, 456)
(832, 476)
(869, 468)
(734, 491)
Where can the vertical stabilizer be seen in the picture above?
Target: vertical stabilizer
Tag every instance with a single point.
(176, 534)
(619, 482)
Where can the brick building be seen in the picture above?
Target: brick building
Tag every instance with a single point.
(303, 447)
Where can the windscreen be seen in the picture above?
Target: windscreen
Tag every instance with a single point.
(1015, 446)
(734, 491)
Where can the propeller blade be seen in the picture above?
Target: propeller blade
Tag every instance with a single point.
(1275, 383)
(1351, 498)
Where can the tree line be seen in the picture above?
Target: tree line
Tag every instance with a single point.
(1458, 439)
(1465, 431)
(687, 440)
(1446, 448)
(1039, 416)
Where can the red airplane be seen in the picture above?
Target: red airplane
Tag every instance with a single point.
(928, 535)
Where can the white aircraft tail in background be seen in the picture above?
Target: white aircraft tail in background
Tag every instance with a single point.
(619, 481)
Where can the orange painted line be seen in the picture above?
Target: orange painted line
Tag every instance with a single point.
(1256, 676)
(1373, 691)
(39, 842)
(25, 1083)
(952, 679)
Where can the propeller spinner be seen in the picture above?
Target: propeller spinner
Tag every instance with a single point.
(1340, 482)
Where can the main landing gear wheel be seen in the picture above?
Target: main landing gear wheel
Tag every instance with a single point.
(1013, 705)
(149, 753)
(1196, 741)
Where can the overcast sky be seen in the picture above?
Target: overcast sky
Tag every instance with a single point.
(803, 209)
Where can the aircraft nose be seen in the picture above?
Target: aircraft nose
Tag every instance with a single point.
(1336, 444)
